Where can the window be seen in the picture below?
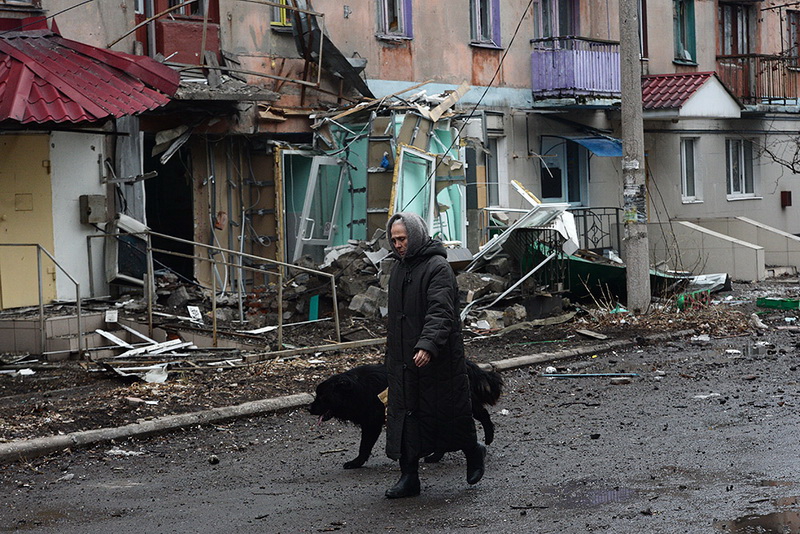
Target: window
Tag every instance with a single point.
(394, 18)
(793, 24)
(556, 18)
(739, 167)
(565, 171)
(734, 29)
(642, 7)
(683, 24)
(485, 15)
(492, 174)
(193, 9)
(280, 16)
(138, 7)
(688, 185)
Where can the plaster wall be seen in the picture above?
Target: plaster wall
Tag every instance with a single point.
(701, 250)
(95, 23)
(780, 248)
(661, 39)
(663, 153)
(440, 49)
(76, 171)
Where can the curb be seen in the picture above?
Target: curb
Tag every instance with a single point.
(26, 449)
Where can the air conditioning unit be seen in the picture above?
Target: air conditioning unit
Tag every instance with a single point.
(126, 251)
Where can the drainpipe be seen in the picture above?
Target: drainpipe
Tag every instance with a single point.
(149, 11)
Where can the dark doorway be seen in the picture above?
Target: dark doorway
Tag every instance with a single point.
(168, 204)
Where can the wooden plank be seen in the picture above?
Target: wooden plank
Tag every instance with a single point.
(589, 333)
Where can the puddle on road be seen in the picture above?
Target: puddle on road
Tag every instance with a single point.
(776, 522)
(785, 522)
(582, 493)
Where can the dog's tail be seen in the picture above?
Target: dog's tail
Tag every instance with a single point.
(487, 386)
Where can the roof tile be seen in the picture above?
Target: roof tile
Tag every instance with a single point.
(68, 81)
(671, 91)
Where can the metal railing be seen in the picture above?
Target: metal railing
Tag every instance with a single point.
(575, 66)
(43, 333)
(598, 228)
(761, 78)
(280, 267)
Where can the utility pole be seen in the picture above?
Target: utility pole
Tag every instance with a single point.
(636, 249)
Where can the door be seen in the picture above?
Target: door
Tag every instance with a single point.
(26, 216)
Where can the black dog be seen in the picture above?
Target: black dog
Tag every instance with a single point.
(353, 396)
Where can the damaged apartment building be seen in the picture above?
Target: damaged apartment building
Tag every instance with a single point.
(247, 135)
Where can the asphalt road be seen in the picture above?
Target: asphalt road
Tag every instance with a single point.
(701, 441)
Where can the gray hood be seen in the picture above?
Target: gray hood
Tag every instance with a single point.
(416, 229)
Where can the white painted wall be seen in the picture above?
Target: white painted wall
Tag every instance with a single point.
(688, 246)
(75, 163)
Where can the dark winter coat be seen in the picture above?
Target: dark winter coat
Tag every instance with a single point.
(429, 407)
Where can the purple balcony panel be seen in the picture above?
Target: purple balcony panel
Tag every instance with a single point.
(570, 66)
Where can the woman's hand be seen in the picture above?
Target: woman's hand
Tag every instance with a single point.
(422, 358)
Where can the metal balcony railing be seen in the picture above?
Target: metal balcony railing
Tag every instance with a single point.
(761, 78)
(598, 228)
(574, 67)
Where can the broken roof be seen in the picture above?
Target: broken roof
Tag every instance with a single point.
(46, 78)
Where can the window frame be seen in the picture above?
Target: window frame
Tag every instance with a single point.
(573, 163)
(688, 159)
(404, 16)
(684, 33)
(793, 37)
(282, 15)
(548, 20)
(735, 29)
(488, 10)
(739, 167)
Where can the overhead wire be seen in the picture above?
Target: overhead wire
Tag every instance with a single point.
(477, 103)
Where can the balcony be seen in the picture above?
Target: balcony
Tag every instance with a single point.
(574, 67)
(761, 78)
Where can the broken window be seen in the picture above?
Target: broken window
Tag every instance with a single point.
(485, 15)
(683, 28)
(565, 171)
(394, 18)
(688, 186)
(734, 29)
(195, 8)
(739, 167)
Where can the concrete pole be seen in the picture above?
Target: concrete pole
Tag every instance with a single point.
(636, 250)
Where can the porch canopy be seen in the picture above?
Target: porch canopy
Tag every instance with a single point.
(45, 78)
(688, 95)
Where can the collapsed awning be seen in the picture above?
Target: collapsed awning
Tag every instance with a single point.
(46, 78)
(600, 146)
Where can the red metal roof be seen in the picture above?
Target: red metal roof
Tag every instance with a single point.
(46, 78)
(671, 91)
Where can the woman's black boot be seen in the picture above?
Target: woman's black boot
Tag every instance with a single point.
(408, 485)
(475, 463)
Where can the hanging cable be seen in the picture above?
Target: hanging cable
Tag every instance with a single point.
(477, 104)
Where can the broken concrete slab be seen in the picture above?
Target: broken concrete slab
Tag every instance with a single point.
(370, 302)
(472, 286)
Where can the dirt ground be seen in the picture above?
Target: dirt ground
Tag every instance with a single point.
(72, 396)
